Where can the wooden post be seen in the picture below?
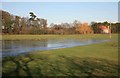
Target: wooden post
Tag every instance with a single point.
(110, 30)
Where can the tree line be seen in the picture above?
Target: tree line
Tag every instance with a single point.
(13, 24)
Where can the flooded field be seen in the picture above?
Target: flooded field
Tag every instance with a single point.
(13, 48)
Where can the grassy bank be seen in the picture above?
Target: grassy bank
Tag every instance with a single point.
(99, 59)
(40, 37)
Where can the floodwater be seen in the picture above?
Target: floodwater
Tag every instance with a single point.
(13, 48)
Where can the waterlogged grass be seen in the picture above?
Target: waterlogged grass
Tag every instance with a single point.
(40, 37)
(91, 60)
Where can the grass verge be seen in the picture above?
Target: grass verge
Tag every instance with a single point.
(40, 37)
(91, 60)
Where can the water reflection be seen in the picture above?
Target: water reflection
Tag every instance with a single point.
(12, 48)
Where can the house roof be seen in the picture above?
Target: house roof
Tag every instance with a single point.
(103, 27)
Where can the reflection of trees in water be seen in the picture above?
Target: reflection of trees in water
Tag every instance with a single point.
(13, 48)
(24, 43)
(7, 44)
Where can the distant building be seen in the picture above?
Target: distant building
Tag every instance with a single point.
(105, 29)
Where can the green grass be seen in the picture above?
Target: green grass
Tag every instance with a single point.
(99, 59)
(40, 37)
(106, 50)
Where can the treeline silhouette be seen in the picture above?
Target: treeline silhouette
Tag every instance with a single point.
(13, 24)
